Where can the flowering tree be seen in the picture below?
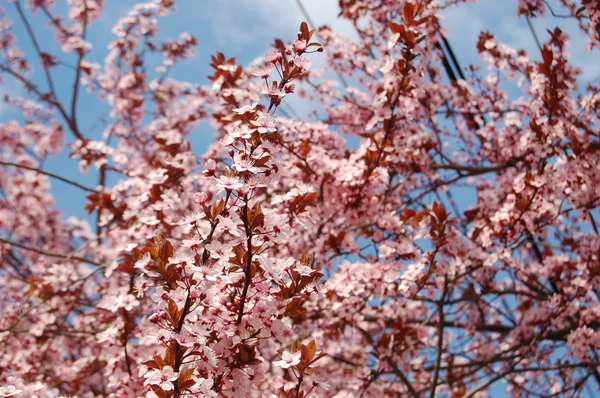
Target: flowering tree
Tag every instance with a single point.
(283, 261)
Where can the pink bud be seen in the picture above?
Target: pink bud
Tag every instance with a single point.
(211, 167)
(200, 198)
(300, 45)
(243, 190)
(289, 88)
(154, 318)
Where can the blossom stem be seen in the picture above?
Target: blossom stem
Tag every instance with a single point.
(248, 270)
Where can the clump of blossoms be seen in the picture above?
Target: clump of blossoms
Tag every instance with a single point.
(224, 297)
(430, 228)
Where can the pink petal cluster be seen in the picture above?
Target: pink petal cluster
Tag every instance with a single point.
(426, 229)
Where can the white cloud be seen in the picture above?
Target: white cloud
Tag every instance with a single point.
(241, 22)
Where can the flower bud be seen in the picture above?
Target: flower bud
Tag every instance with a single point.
(243, 190)
(200, 198)
(154, 318)
(300, 45)
(211, 167)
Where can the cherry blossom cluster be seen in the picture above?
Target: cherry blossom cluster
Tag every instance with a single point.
(223, 298)
(428, 230)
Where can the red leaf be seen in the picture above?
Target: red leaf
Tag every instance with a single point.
(409, 11)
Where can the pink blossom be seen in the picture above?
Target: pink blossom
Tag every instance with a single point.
(288, 359)
(211, 167)
(226, 183)
(263, 72)
(162, 378)
(192, 218)
(245, 109)
(218, 250)
(204, 387)
(243, 132)
(143, 262)
(265, 123)
(273, 56)
(410, 216)
(273, 93)
(192, 244)
(200, 197)
(302, 63)
(9, 391)
(182, 258)
(300, 46)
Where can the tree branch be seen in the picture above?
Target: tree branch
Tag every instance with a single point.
(60, 178)
(49, 254)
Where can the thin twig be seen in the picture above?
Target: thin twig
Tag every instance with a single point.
(49, 254)
(56, 176)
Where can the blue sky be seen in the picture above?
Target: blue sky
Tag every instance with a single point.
(244, 29)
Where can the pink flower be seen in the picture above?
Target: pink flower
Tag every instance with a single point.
(288, 359)
(228, 225)
(9, 391)
(273, 56)
(204, 386)
(128, 302)
(273, 93)
(204, 273)
(278, 383)
(263, 72)
(162, 378)
(245, 109)
(242, 164)
(304, 270)
(200, 197)
(191, 218)
(243, 132)
(302, 63)
(143, 262)
(182, 258)
(300, 45)
(218, 250)
(265, 124)
(192, 243)
(289, 88)
(211, 167)
(228, 183)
